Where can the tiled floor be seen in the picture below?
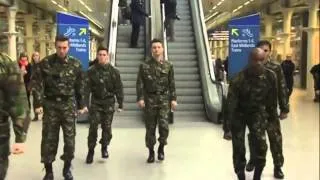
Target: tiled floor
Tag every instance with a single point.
(196, 150)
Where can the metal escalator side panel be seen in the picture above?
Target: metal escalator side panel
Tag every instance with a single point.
(212, 99)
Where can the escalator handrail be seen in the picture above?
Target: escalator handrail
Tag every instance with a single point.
(147, 30)
(164, 36)
(113, 31)
(207, 47)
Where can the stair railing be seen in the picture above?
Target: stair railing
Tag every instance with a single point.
(113, 31)
(164, 34)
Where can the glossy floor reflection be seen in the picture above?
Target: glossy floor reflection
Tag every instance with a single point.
(196, 150)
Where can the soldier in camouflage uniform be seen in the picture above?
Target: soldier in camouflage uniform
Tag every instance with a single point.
(155, 93)
(252, 93)
(60, 78)
(13, 104)
(273, 128)
(104, 83)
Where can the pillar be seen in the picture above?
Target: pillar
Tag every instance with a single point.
(220, 53)
(53, 35)
(268, 20)
(12, 34)
(312, 30)
(226, 49)
(42, 39)
(287, 17)
(29, 39)
(215, 48)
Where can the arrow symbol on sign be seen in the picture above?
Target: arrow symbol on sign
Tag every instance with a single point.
(83, 31)
(234, 32)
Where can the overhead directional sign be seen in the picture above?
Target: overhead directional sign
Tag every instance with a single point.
(244, 34)
(77, 29)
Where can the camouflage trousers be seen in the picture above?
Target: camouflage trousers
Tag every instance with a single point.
(58, 114)
(257, 124)
(275, 140)
(100, 115)
(4, 146)
(156, 116)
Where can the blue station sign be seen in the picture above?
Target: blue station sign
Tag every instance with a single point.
(77, 29)
(244, 34)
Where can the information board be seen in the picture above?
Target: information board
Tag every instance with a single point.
(77, 29)
(244, 34)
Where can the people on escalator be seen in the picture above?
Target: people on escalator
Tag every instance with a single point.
(124, 12)
(170, 17)
(138, 15)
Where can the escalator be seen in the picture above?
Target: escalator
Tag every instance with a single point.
(182, 53)
(197, 90)
(198, 93)
(127, 60)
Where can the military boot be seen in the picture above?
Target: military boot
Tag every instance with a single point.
(277, 173)
(241, 175)
(161, 152)
(90, 155)
(250, 166)
(104, 152)
(257, 173)
(66, 171)
(151, 156)
(49, 173)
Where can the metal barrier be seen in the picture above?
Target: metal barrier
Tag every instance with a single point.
(164, 34)
(113, 32)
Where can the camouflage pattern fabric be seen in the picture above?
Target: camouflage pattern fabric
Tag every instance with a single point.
(156, 86)
(273, 127)
(250, 98)
(104, 84)
(13, 104)
(56, 85)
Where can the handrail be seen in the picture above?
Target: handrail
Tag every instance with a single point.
(147, 30)
(164, 34)
(212, 101)
(211, 70)
(113, 31)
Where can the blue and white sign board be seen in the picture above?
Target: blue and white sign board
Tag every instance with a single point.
(244, 34)
(77, 29)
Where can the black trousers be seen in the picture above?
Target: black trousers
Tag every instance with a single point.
(135, 34)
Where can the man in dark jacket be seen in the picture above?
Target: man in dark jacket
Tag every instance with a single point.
(315, 71)
(138, 18)
(288, 68)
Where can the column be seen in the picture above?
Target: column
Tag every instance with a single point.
(220, 53)
(52, 39)
(29, 39)
(227, 48)
(215, 48)
(42, 39)
(12, 34)
(287, 17)
(312, 30)
(268, 27)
